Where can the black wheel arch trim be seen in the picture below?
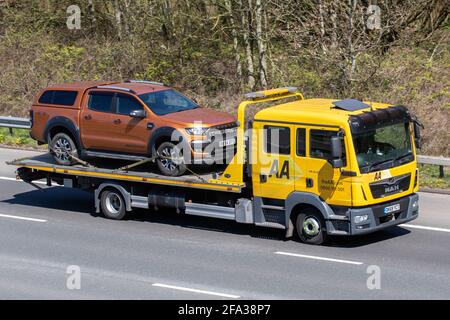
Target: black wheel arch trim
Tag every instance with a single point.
(65, 123)
(313, 200)
(159, 133)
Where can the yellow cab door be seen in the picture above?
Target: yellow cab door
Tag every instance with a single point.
(272, 160)
(315, 173)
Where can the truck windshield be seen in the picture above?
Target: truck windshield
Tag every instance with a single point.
(167, 101)
(383, 148)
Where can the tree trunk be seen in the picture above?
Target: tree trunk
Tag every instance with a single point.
(118, 15)
(261, 45)
(246, 29)
(237, 56)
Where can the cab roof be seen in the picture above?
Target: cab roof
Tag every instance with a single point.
(317, 111)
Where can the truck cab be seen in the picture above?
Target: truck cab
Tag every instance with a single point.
(333, 167)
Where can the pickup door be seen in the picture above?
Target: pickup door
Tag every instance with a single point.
(106, 123)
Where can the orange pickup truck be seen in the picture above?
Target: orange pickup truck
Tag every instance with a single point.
(131, 120)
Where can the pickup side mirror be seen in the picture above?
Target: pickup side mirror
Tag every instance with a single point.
(336, 152)
(138, 114)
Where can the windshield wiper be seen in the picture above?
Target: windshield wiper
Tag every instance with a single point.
(409, 154)
(376, 164)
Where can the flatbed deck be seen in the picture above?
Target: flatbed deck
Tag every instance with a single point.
(112, 170)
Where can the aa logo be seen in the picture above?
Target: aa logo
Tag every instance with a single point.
(275, 171)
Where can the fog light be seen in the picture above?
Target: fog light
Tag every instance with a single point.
(415, 204)
(359, 219)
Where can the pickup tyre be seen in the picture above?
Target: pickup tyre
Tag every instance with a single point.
(165, 153)
(63, 149)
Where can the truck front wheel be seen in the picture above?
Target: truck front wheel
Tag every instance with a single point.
(112, 204)
(310, 226)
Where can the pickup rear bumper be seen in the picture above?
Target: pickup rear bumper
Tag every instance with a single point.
(365, 220)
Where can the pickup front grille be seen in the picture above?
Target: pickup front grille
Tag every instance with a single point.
(390, 186)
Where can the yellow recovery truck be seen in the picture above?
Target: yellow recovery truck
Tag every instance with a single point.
(314, 166)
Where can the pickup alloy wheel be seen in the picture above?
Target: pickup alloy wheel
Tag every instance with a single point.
(167, 152)
(63, 148)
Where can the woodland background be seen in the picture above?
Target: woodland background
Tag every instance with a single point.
(216, 50)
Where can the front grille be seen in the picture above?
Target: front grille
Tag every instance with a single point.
(390, 186)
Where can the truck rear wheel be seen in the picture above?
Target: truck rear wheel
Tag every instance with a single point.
(112, 204)
(310, 227)
(63, 149)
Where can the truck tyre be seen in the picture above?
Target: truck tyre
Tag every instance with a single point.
(310, 227)
(112, 204)
(165, 152)
(63, 149)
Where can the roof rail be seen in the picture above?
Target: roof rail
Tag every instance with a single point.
(145, 81)
(270, 93)
(116, 88)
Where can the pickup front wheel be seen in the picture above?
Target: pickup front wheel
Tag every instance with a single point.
(170, 160)
(63, 149)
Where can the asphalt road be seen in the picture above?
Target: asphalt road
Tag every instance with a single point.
(162, 255)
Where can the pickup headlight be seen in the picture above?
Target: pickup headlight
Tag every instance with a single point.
(197, 131)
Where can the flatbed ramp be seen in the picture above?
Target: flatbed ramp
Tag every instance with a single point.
(110, 170)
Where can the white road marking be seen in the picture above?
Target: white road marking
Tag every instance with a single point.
(14, 179)
(225, 295)
(415, 226)
(21, 218)
(318, 258)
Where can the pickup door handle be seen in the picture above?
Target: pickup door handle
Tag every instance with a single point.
(87, 117)
(117, 121)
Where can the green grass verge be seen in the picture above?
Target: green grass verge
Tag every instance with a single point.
(18, 138)
(429, 177)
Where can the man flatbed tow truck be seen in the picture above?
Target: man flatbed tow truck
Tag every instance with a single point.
(315, 166)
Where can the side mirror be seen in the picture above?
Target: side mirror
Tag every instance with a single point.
(138, 114)
(336, 152)
(417, 134)
(336, 147)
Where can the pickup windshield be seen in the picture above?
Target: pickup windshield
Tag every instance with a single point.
(167, 101)
(383, 148)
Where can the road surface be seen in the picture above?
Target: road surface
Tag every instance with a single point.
(162, 255)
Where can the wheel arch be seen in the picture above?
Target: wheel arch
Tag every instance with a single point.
(112, 185)
(62, 124)
(160, 135)
(297, 201)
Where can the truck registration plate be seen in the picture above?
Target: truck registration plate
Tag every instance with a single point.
(393, 208)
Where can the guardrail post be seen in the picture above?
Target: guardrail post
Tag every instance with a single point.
(441, 172)
(11, 131)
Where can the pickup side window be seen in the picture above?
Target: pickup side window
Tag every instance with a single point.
(100, 101)
(277, 140)
(126, 103)
(320, 144)
(58, 97)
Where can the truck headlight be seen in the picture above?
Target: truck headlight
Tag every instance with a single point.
(362, 218)
(197, 131)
